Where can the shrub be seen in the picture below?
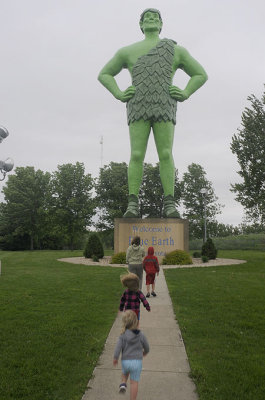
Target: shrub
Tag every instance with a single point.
(205, 259)
(93, 247)
(209, 249)
(95, 258)
(177, 257)
(197, 254)
(118, 258)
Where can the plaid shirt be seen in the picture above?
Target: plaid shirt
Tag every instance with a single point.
(131, 300)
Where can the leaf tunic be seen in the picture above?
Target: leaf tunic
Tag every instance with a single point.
(152, 76)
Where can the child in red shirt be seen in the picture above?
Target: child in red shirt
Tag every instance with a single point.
(151, 267)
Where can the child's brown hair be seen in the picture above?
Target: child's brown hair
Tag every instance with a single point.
(136, 240)
(130, 281)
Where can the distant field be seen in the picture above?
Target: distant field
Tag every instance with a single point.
(221, 315)
(240, 242)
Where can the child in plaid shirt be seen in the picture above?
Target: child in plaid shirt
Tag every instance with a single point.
(131, 298)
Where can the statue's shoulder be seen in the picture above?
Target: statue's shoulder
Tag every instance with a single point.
(180, 49)
(131, 47)
(182, 57)
(124, 53)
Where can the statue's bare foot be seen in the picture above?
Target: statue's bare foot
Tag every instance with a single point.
(170, 210)
(132, 209)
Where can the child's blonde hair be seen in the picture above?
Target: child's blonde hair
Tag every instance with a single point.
(130, 281)
(129, 320)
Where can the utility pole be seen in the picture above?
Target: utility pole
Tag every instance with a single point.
(101, 151)
(204, 192)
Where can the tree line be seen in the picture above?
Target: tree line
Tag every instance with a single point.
(43, 210)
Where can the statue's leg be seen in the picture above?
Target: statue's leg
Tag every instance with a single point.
(164, 137)
(139, 135)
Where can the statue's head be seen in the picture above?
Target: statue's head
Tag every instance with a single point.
(149, 18)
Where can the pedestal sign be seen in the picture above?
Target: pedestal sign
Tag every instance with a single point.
(165, 234)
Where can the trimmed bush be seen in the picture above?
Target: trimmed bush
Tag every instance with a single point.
(197, 254)
(93, 247)
(209, 249)
(177, 257)
(95, 258)
(118, 258)
(205, 259)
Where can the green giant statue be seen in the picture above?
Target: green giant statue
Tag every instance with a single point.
(152, 102)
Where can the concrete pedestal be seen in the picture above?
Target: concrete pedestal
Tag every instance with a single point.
(164, 234)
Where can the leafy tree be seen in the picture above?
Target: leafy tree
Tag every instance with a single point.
(222, 230)
(151, 194)
(72, 205)
(111, 194)
(24, 211)
(195, 202)
(249, 147)
(107, 238)
(246, 229)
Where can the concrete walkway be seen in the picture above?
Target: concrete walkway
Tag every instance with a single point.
(166, 369)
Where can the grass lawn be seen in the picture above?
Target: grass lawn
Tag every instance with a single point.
(221, 314)
(55, 318)
(54, 321)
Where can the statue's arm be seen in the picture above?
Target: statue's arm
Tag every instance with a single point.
(198, 75)
(111, 69)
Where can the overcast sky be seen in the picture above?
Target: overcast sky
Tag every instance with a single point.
(56, 111)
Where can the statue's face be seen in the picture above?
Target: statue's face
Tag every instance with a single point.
(151, 22)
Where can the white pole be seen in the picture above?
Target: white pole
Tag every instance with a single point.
(101, 151)
(204, 192)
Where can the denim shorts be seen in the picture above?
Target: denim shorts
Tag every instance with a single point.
(132, 367)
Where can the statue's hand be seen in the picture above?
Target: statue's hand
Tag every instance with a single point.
(127, 94)
(177, 93)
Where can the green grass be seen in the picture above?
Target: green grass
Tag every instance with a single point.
(54, 321)
(220, 311)
(55, 318)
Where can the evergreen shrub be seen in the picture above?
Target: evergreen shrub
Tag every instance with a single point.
(209, 250)
(95, 258)
(118, 258)
(93, 247)
(197, 254)
(177, 257)
(205, 259)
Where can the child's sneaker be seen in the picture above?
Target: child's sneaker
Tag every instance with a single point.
(122, 388)
(153, 294)
(148, 295)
